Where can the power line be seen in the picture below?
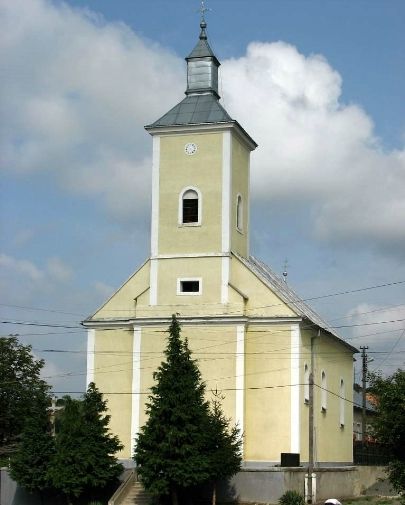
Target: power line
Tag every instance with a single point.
(42, 309)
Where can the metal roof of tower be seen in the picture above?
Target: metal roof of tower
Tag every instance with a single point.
(194, 109)
(202, 48)
(201, 105)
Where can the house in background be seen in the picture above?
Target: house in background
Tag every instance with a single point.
(252, 335)
(358, 416)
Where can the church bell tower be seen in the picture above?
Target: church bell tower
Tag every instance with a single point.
(200, 190)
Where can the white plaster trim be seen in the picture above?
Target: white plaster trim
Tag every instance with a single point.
(247, 227)
(91, 345)
(136, 385)
(225, 267)
(226, 189)
(153, 282)
(240, 378)
(180, 213)
(192, 293)
(295, 388)
(202, 128)
(151, 321)
(155, 196)
(192, 255)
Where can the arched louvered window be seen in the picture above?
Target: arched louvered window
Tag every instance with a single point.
(324, 392)
(190, 207)
(342, 400)
(239, 213)
(306, 383)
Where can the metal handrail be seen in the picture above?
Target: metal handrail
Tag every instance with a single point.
(121, 493)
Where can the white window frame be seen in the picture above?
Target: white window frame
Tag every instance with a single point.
(239, 213)
(180, 212)
(306, 383)
(342, 401)
(324, 392)
(189, 293)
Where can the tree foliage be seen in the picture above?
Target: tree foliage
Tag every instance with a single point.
(85, 449)
(21, 389)
(389, 425)
(171, 449)
(183, 442)
(30, 463)
(225, 450)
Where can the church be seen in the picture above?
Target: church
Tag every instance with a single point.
(255, 340)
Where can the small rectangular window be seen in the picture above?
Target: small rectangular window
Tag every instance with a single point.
(189, 286)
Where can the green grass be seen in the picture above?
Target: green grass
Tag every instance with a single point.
(372, 500)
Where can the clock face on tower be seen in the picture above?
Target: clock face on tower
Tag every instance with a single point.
(190, 148)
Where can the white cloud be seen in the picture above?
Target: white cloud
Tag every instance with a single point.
(25, 282)
(103, 290)
(58, 270)
(382, 329)
(20, 267)
(77, 92)
(315, 151)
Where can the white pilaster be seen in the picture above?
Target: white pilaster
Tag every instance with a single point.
(295, 388)
(153, 281)
(136, 385)
(155, 196)
(247, 228)
(91, 343)
(240, 377)
(226, 189)
(225, 266)
(226, 212)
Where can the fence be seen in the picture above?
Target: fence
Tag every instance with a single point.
(370, 454)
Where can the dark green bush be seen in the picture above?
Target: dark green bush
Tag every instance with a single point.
(291, 498)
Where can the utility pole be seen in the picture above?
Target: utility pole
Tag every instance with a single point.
(364, 397)
(311, 424)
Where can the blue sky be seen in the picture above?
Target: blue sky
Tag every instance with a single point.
(319, 85)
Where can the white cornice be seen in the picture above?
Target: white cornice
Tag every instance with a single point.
(190, 255)
(205, 128)
(189, 320)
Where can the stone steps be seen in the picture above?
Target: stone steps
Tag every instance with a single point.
(137, 496)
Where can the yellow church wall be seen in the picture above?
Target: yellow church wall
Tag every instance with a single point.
(170, 270)
(332, 442)
(123, 302)
(153, 343)
(337, 364)
(203, 170)
(305, 359)
(113, 374)
(262, 301)
(267, 409)
(240, 186)
(214, 349)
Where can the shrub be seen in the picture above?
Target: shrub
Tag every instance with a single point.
(291, 498)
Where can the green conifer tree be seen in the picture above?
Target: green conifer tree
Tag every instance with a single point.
(225, 446)
(85, 450)
(30, 463)
(171, 449)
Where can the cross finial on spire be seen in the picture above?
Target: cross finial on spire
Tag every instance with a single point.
(203, 25)
(203, 10)
(285, 272)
